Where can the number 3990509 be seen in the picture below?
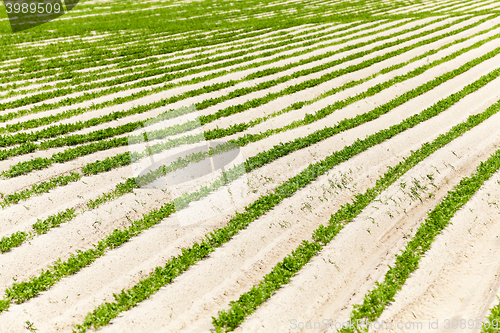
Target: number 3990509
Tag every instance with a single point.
(32, 8)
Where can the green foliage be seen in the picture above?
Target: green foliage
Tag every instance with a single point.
(493, 320)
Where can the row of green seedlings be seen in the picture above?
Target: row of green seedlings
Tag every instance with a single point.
(425, 8)
(141, 18)
(43, 226)
(377, 300)
(120, 45)
(122, 159)
(376, 8)
(167, 77)
(407, 262)
(71, 64)
(25, 290)
(491, 324)
(219, 133)
(449, 6)
(175, 266)
(37, 189)
(47, 144)
(17, 239)
(142, 21)
(200, 58)
(371, 9)
(79, 50)
(26, 148)
(457, 6)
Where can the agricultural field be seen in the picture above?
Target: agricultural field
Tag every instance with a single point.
(251, 166)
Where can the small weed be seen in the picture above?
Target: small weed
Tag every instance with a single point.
(306, 205)
(285, 224)
(29, 326)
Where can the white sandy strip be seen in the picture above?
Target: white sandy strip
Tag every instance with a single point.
(451, 7)
(279, 87)
(134, 36)
(265, 37)
(164, 235)
(349, 265)
(138, 117)
(113, 258)
(311, 109)
(444, 7)
(424, 8)
(279, 168)
(465, 8)
(76, 52)
(44, 206)
(417, 103)
(301, 79)
(385, 96)
(30, 90)
(459, 276)
(178, 90)
(407, 8)
(203, 290)
(14, 185)
(91, 39)
(31, 82)
(193, 52)
(45, 42)
(21, 216)
(411, 9)
(92, 70)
